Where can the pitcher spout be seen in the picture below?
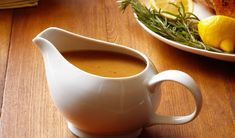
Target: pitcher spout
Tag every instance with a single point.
(43, 44)
(62, 40)
(47, 43)
(44, 40)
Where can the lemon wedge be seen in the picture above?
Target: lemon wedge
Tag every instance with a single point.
(166, 6)
(218, 31)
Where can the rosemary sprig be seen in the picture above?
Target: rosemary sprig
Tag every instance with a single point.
(182, 29)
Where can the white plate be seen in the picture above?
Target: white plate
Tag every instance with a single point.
(201, 12)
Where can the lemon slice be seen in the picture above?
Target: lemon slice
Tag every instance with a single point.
(218, 31)
(166, 6)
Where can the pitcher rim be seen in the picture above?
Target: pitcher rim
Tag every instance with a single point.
(142, 56)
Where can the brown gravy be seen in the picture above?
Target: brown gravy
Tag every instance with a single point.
(106, 64)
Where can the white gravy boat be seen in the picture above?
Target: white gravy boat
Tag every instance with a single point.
(96, 106)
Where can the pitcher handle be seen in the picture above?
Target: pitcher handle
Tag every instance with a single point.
(185, 80)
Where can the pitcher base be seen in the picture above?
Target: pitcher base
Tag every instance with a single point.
(82, 134)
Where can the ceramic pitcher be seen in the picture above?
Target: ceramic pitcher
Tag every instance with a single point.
(97, 106)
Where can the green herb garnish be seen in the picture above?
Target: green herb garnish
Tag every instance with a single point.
(182, 29)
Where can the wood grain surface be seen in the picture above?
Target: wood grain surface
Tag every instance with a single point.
(28, 111)
(5, 32)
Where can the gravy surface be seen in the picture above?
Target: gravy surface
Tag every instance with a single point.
(106, 64)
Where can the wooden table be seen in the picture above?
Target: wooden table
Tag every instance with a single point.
(27, 110)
